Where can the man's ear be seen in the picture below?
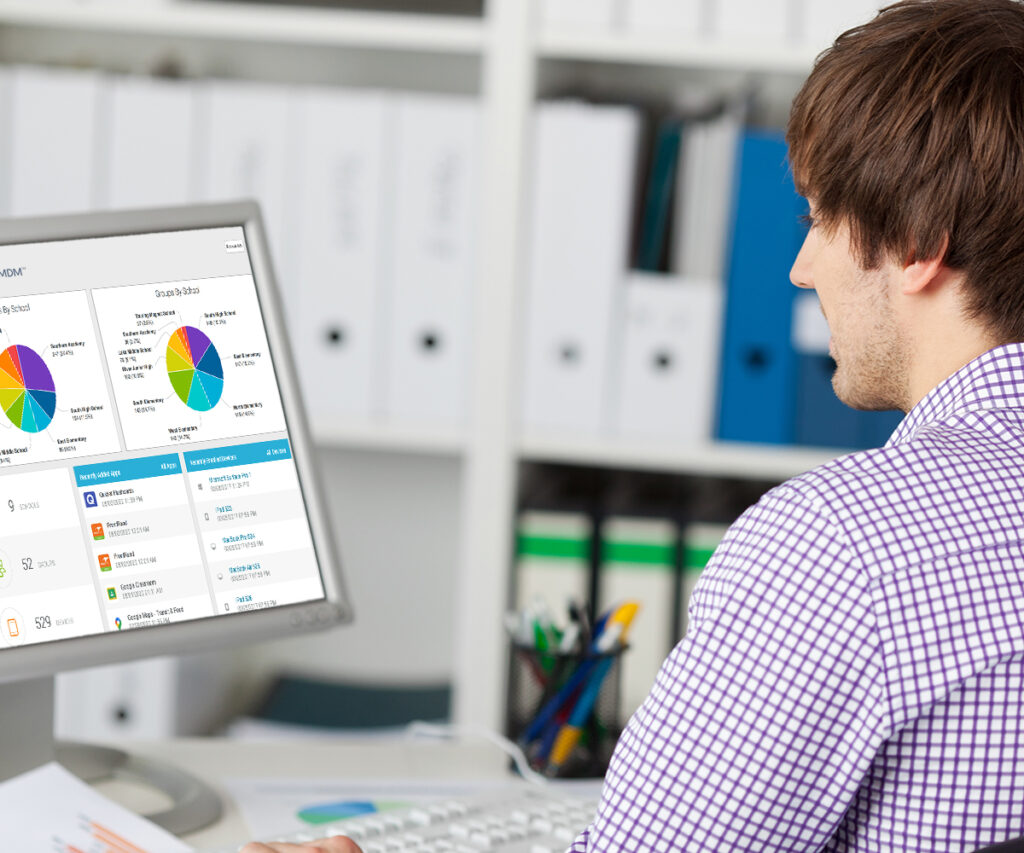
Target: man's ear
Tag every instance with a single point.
(918, 275)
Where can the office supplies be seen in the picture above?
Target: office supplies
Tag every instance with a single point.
(212, 526)
(568, 736)
(151, 153)
(50, 809)
(53, 151)
(433, 262)
(638, 561)
(581, 210)
(345, 198)
(511, 819)
(759, 365)
(666, 373)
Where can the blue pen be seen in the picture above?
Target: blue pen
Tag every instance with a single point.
(570, 733)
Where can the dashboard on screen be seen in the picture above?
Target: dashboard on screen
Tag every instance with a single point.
(146, 470)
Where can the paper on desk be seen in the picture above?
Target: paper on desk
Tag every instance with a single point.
(50, 809)
(278, 806)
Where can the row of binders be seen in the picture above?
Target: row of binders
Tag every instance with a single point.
(370, 200)
(655, 308)
(650, 561)
(678, 322)
(814, 23)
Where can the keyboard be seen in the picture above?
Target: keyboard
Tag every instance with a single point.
(515, 820)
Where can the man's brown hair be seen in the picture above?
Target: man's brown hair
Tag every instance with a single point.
(910, 129)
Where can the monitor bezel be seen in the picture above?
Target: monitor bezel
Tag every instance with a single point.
(203, 634)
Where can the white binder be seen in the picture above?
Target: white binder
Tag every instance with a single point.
(344, 203)
(584, 163)
(150, 157)
(668, 366)
(54, 124)
(246, 153)
(766, 22)
(663, 17)
(433, 263)
(553, 561)
(638, 562)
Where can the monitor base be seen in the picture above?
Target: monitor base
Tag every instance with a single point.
(195, 804)
(26, 742)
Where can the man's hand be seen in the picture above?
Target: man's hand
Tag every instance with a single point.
(335, 844)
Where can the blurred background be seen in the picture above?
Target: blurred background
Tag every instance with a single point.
(534, 258)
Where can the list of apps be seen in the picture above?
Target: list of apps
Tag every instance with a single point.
(144, 543)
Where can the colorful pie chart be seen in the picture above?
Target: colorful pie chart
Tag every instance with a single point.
(27, 393)
(194, 369)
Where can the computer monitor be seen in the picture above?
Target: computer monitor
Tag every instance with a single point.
(158, 491)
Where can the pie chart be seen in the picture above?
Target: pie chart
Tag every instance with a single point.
(194, 369)
(27, 393)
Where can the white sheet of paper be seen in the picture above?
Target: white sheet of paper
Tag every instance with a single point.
(50, 809)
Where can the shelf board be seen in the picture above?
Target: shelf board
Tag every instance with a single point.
(749, 461)
(392, 438)
(256, 23)
(676, 52)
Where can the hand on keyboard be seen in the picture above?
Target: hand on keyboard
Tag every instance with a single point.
(335, 844)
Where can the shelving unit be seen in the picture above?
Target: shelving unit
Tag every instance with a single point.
(500, 57)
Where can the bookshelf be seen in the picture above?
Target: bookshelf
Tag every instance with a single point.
(502, 57)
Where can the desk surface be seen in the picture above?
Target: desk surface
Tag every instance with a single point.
(213, 760)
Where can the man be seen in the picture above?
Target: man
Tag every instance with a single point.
(853, 674)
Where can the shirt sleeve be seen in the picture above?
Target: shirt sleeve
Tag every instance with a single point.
(765, 718)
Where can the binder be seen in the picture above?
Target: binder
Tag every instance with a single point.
(652, 250)
(433, 265)
(823, 20)
(763, 21)
(667, 370)
(704, 193)
(344, 203)
(55, 127)
(150, 158)
(699, 541)
(552, 560)
(759, 365)
(245, 145)
(638, 561)
(662, 17)
(594, 15)
(580, 215)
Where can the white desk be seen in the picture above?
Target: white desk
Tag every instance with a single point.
(214, 760)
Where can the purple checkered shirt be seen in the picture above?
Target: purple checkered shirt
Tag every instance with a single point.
(853, 675)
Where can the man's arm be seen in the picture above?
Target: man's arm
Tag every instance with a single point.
(765, 718)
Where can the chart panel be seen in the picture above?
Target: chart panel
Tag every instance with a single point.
(189, 361)
(53, 392)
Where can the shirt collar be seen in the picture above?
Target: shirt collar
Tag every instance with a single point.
(993, 380)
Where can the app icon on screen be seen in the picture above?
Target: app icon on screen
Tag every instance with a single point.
(90, 499)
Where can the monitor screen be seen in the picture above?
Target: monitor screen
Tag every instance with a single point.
(148, 472)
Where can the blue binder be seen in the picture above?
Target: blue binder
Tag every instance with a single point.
(821, 419)
(759, 365)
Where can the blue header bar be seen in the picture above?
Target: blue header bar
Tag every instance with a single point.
(127, 469)
(238, 454)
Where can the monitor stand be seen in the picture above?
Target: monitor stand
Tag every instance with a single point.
(26, 735)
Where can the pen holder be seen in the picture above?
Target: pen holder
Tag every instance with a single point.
(545, 689)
